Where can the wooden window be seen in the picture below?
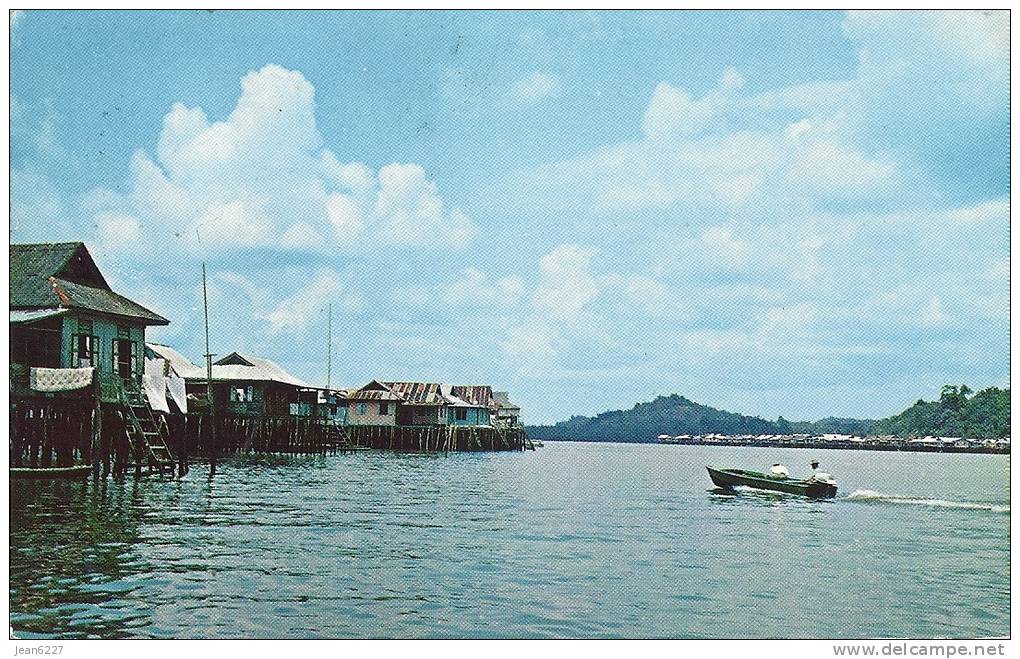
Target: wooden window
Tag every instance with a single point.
(84, 350)
(460, 413)
(124, 361)
(362, 408)
(384, 409)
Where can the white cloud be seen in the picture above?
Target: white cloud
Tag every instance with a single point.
(475, 288)
(536, 87)
(722, 152)
(295, 312)
(37, 209)
(566, 282)
(117, 230)
(17, 17)
(672, 113)
(262, 178)
(720, 244)
(933, 313)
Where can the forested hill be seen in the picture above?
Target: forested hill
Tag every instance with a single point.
(671, 415)
(958, 412)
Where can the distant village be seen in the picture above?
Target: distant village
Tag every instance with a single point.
(75, 340)
(836, 441)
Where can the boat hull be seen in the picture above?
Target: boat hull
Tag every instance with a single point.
(49, 473)
(730, 478)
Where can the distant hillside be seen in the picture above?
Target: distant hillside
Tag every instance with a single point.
(672, 415)
(956, 413)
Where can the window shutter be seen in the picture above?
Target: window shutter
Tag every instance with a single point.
(74, 350)
(116, 356)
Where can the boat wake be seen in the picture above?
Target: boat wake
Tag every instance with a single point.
(878, 497)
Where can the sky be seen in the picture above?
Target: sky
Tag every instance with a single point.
(802, 214)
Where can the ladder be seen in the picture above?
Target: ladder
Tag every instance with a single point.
(143, 430)
(337, 437)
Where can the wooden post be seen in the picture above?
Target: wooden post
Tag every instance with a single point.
(97, 424)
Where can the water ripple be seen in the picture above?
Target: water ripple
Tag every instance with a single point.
(569, 541)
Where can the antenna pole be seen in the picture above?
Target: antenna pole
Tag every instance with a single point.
(208, 379)
(329, 347)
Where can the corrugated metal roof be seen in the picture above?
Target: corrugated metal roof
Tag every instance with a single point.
(260, 370)
(374, 390)
(476, 394)
(22, 316)
(181, 364)
(418, 393)
(63, 274)
(373, 394)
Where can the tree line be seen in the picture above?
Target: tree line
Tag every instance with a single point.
(958, 412)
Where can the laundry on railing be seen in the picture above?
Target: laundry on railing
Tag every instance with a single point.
(60, 379)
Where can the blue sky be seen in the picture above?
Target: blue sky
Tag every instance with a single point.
(778, 213)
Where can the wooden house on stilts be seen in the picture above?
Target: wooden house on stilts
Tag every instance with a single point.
(77, 361)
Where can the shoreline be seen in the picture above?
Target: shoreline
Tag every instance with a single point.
(904, 447)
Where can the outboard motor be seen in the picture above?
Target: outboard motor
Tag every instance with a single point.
(779, 471)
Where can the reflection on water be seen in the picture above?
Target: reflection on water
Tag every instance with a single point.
(571, 540)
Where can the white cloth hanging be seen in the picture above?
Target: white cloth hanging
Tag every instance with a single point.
(175, 387)
(154, 383)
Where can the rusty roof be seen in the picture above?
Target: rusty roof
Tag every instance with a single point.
(374, 390)
(418, 393)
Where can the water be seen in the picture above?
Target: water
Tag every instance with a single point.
(573, 540)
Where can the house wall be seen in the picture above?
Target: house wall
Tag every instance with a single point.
(421, 415)
(243, 407)
(476, 416)
(106, 330)
(366, 413)
(268, 399)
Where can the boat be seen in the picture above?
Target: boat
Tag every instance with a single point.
(66, 473)
(819, 486)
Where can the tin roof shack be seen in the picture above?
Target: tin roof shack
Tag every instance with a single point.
(506, 413)
(374, 404)
(470, 405)
(398, 404)
(63, 314)
(248, 386)
(421, 404)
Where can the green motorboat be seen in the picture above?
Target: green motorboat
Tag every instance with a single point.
(819, 486)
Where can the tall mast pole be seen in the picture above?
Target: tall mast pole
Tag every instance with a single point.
(208, 379)
(329, 347)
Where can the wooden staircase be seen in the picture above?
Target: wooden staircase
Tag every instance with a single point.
(144, 433)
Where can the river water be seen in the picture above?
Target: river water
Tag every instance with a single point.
(572, 540)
